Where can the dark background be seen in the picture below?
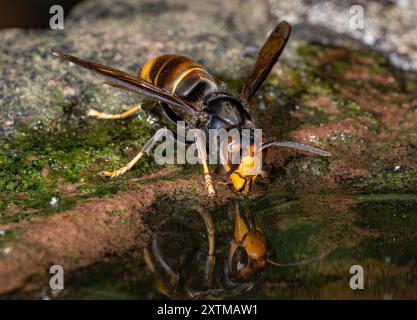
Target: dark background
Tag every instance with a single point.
(30, 13)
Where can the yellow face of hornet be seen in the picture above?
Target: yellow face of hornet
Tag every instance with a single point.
(244, 177)
(241, 180)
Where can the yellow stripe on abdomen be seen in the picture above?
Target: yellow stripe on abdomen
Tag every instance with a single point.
(183, 75)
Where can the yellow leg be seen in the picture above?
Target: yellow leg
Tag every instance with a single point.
(208, 179)
(107, 116)
(122, 170)
(146, 148)
(202, 153)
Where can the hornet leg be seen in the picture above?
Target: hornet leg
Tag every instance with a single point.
(101, 115)
(146, 148)
(202, 153)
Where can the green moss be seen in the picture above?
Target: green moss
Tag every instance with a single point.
(112, 213)
(300, 172)
(385, 181)
(39, 163)
(351, 109)
(386, 197)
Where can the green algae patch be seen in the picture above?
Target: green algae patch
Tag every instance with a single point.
(47, 169)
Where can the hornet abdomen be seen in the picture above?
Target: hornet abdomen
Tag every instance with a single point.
(179, 75)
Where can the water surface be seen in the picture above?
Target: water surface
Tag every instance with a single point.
(377, 232)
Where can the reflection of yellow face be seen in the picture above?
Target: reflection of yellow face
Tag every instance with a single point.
(248, 249)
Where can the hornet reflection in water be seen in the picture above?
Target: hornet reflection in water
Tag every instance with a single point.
(216, 270)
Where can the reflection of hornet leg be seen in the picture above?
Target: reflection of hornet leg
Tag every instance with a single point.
(165, 283)
(101, 115)
(202, 154)
(146, 148)
(211, 259)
